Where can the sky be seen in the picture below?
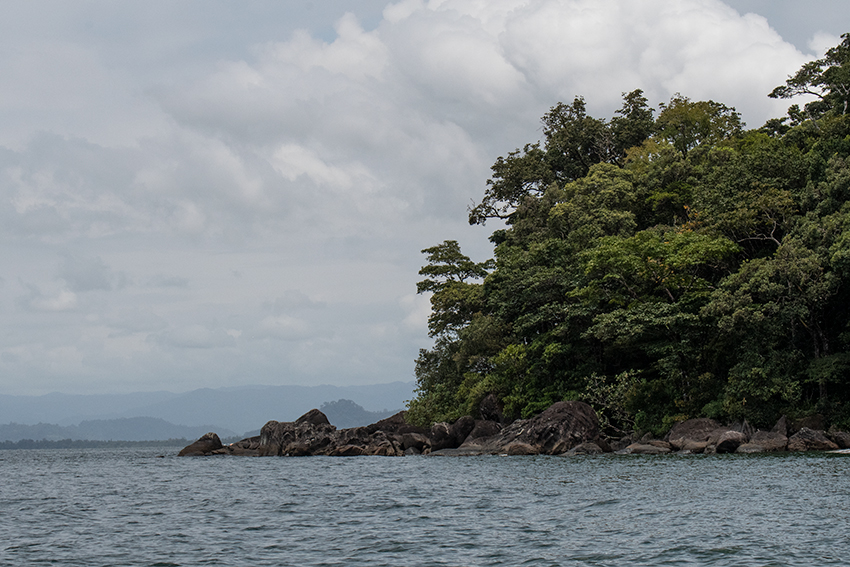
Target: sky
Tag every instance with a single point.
(218, 194)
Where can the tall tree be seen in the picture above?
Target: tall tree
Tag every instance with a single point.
(827, 78)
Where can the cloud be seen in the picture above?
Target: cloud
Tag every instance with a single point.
(139, 177)
(84, 273)
(193, 336)
(36, 300)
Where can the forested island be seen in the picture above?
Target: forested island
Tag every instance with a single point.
(659, 266)
(654, 276)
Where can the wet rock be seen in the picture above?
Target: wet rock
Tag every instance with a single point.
(643, 449)
(659, 443)
(588, 448)
(204, 446)
(810, 440)
(249, 447)
(691, 446)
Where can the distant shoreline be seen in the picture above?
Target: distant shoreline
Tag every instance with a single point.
(88, 444)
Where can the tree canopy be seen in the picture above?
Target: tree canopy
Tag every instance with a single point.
(658, 265)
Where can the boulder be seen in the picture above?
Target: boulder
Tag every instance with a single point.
(249, 447)
(491, 409)
(691, 430)
(313, 417)
(691, 446)
(204, 446)
(460, 429)
(660, 444)
(747, 448)
(483, 428)
(814, 422)
(729, 441)
(810, 440)
(840, 438)
(310, 434)
(558, 429)
(351, 443)
(770, 441)
(643, 449)
(781, 426)
(588, 448)
(415, 441)
(441, 437)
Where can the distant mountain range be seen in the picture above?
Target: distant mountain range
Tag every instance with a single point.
(227, 411)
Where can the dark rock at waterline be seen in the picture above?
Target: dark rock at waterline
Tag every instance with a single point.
(840, 438)
(483, 428)
(564, 428)
(643, 449)
(810, 440)
(685, 434)
(206, 445)
(558, 429)
(764, 442)
(729, 441)
(588, 448)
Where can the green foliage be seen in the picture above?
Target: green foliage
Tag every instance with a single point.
(658, 268)
(686, 124)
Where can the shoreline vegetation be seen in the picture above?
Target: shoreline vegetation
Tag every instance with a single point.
(663, 265)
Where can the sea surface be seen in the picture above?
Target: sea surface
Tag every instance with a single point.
(147, 507)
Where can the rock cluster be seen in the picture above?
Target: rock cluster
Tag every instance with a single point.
(562, 427)
(565, 428)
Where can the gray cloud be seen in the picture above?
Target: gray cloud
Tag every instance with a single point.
(195, 194)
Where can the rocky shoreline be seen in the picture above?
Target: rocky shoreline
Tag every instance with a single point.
(565, 428)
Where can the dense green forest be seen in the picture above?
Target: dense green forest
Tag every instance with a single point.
(660, 265)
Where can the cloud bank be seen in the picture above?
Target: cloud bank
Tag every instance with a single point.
(175, 217)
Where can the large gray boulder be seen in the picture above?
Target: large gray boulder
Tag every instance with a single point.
(558, 429)
(692, 435)
(764, 442)
(810, 440)
(206, 445)
(729, 441)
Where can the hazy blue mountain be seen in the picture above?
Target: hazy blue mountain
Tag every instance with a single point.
(346, 413)
(235, 409)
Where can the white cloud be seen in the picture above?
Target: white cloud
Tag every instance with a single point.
(61, 300)
(191, 211)
(821, 41)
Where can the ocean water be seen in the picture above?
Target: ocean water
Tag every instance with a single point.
(134, 507)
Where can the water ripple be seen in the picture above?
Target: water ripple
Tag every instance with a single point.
(126, 507)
